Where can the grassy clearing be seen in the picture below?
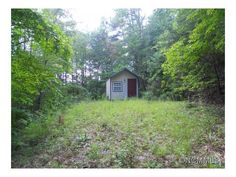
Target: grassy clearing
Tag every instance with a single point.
(127, 134)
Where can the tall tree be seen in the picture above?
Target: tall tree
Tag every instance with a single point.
(128, 26)
(160, 36)
(40, 50)
(197, 58)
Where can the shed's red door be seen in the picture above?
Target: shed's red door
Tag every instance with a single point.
(131, 87)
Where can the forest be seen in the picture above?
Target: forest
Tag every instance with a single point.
(179, 55)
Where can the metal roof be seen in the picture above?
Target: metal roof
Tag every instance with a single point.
(125, 69)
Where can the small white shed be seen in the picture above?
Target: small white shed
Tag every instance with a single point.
(122, 85)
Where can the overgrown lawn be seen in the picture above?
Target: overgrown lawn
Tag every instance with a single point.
(126, 134)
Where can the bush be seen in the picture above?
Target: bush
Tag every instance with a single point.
(76, 92)
(20, 119)
(96, 88)
(148, 95)
(166, 96)
(30, 125)
(35, 131)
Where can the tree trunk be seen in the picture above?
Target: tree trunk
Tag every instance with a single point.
(38, 101)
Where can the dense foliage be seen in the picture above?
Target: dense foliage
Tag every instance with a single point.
(196, 60)
(178, 55)
(40, 51)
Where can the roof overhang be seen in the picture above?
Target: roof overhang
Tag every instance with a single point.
(123, 70)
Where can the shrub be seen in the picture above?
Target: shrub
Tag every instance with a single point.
(76, 92)
(148, 95)
(34, 132)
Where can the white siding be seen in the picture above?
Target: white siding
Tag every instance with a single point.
(123, 77)
(108, 89)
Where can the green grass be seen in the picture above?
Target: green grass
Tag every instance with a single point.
(126, 134)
